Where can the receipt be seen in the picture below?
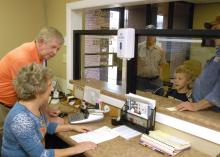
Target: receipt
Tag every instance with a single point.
(171, 108)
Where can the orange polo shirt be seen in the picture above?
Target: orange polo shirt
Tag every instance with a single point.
(10, 64)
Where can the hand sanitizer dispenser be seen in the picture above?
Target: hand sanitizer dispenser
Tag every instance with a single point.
(126, 42)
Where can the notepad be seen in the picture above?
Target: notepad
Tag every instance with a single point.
(126, 132)
(163, 142)
(171, 108)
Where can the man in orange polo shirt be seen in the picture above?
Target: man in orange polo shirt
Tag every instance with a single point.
(45, 46)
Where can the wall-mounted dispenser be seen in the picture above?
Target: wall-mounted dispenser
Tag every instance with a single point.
(126, 42)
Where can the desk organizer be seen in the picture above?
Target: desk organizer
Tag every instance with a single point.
(138, 123)
(138, 113)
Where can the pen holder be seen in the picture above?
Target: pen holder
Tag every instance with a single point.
(116, 122)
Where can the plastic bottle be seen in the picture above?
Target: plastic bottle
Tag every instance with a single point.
(97, 104)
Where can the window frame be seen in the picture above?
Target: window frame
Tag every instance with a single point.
(132, 64)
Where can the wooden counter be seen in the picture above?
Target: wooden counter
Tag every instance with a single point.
(206, 118)
(120, 147)
(201, 128)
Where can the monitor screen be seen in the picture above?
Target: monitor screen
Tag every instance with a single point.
(91, 95)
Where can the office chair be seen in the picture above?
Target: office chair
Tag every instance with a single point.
(194, 65)
(165, 77)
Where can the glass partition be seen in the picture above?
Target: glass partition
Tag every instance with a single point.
(98, 58)
(95, 55)
(155, 75)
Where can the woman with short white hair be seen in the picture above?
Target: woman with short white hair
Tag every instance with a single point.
(26, 124)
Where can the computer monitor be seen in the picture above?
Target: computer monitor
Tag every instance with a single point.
(91, 95)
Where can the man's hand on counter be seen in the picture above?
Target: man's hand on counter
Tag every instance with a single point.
(189, 106)
(186, 106)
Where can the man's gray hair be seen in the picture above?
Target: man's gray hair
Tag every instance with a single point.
(48, 33)
(32, 80)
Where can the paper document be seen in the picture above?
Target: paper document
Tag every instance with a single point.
(126, 132)
(97, 136)
(150, 102)
(171, 108)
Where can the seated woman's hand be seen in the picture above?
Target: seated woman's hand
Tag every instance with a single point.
(56, 120)
(84, 146)
(53, 112)
(78, 128)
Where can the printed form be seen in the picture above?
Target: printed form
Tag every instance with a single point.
(97, 136)
(126, 132)
(105, 133)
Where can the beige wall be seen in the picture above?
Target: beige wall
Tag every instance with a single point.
(205, 12)
(56, 17)
(22, 19)
(202, 13)
(72, 1)
(20, 22)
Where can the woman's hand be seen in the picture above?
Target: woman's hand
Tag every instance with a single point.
(53, 112)
(77, 149)
(84, 146)
(68, 127)
(56, 120)
(78, 128)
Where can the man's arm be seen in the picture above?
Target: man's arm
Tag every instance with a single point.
(188, 106)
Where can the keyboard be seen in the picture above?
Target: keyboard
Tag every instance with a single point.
(76, 116)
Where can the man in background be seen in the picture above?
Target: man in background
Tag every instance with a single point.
(206, 90)
(150, 58)
(45, 46)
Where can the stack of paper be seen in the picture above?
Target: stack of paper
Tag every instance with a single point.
(126, 132)
(97, 136)
(163, 142)
(105, 133)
